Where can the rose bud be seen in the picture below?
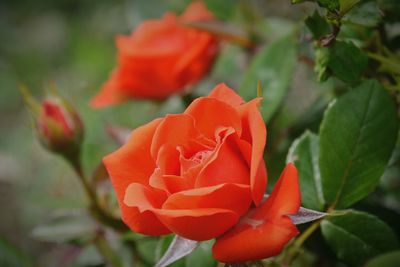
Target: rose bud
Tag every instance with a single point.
(59, 127)
(161, 57)
(57, 124)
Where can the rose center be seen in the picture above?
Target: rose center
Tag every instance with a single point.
(200, 156)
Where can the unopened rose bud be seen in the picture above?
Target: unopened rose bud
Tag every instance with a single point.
(59, 127)
(57, 124)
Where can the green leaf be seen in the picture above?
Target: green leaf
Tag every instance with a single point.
(347, 5)
(273, 66)
(357, 236)
(322, 55)
(357, 137)
(331, 5)
(390, 259)
(366, 14)
(317, 25)
(347, 62)
(304, 153)
(343, 60)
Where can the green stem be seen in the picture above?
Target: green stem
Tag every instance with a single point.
(294, 249)
(94, 207)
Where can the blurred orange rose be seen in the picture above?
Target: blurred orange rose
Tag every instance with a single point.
(160, 58)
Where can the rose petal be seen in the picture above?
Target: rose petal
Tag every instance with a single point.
(109, 93)
(226, 165)
(169, 183)
(197, 224)
(223, 93)
(255, 133)
(179, 131)
(139, 201)
(143, 197)
(265, 230)
(234, 197)
(211, 114)
(145, 222)
(284, 199)
(250, 244)
(132, 163)
(197, 59)
(168, 160)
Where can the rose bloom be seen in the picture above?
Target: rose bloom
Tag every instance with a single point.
(201, 175)
(160, 58)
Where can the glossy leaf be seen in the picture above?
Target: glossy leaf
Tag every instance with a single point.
(273, 66)
(357, 137)
(365, 14)
(347, 62)
(304, 153)
(318, 26)
(357, 236)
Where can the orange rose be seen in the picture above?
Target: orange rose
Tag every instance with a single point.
(160, 58)
(197, 173)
